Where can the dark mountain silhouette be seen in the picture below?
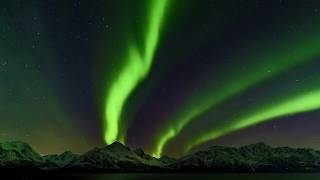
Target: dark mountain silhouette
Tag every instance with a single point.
(53, 162)
(115, 157)
(18, 156)
(252, 158)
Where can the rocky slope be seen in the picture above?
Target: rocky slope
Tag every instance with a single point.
(18, 155)
(119, 158)
(116, 157)
(54, 162)
(252, 158)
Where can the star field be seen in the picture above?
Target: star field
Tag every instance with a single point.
(167, 76)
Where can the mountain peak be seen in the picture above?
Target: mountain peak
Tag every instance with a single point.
(14, 145)
(18, 147)
(258, 145)
(117, 146)
(18, 151)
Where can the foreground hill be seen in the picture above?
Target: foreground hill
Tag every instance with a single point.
(18, 156)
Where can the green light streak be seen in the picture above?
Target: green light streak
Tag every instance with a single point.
(161, 143)
(303, 103)
(134, 71)
(267, 65)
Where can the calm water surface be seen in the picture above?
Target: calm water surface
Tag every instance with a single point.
(178, 176)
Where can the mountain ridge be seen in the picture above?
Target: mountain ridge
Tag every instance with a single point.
(116, 157)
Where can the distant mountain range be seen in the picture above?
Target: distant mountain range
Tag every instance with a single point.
(19, 156)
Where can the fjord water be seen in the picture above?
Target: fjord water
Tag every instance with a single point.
(182, 176)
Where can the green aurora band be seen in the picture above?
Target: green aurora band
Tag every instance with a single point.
(307, 102)
(136, 68)
(291, 52)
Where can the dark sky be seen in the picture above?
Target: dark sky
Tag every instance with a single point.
(167, 76)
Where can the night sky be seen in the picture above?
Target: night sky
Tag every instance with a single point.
(168, 76)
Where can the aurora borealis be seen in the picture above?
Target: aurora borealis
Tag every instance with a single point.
(135, 70)
(166, 76)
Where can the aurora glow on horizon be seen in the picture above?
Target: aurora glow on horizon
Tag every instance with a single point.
(167, 76)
